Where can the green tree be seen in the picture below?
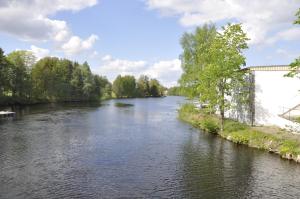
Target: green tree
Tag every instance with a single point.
(143, 89)
(221, 75)
(88, 82)
(195, 57)
(175, 91)
(295, 65)
(44, 79)
(4, 76)
(155, 88)
(103, 87)
(21, 63)
(124, 87)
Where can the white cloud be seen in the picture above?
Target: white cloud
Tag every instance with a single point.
(29, 19)
(106, 58)
(259, 18)
(286, 35)
(167, 72)
(76, 45)
(39, 52)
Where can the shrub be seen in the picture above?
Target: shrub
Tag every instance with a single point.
(289, 146)
(210, 125)
(188, 108)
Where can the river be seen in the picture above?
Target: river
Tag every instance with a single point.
(137, 151)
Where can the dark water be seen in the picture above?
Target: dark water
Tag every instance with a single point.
(139, 151)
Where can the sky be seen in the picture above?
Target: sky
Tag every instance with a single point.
(143, 36)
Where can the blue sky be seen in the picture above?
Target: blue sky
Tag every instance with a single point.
(142, 36)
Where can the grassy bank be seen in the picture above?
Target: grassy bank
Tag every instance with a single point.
(271, 139)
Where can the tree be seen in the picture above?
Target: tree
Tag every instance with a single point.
(4, 76)
(221, 74)
(103, 87)
(88, 81)
(195, 57)
(297, 21)
(124, 87)
(295, 65)
(175, 91)
(21, 63)
(143, 89)
(155, 88)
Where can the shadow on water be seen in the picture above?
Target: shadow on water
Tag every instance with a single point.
(22, 110)
(215, 169)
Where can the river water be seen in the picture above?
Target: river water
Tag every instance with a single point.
(138, 151)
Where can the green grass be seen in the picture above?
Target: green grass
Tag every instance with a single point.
(242, 133)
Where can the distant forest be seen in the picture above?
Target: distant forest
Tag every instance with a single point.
(23, 80)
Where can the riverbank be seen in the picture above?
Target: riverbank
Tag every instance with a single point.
(272, 139)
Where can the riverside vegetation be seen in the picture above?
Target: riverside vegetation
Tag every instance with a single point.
(277, 141)
(212, 75)
(24, 80)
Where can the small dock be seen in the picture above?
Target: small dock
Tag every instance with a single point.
(6, 114)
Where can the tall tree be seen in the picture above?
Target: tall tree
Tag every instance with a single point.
(4, 76)
(195, 57)
(219, 78)
(143, 88)
(21, 63)
(155, 88)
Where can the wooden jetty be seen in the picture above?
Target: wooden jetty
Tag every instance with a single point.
(6, 114)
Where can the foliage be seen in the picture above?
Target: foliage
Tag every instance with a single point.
(23, 80)
(295, 65)
(231, 126)
(297, 21)
(143, 87)
(194, 57)
(127, 87)
(210, 124)
(281, 142)
(19, 80)
(175, 91)
(212, 64)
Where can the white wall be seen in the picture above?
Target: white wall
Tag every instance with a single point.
(275, 94)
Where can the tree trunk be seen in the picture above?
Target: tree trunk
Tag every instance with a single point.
(222, 109)
(222, 118)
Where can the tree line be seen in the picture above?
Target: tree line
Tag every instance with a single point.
(128, 87)
(24, 80)
(175, 91)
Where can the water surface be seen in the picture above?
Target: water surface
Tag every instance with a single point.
(136, 151)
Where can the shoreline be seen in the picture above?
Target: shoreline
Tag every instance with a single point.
(271, 139)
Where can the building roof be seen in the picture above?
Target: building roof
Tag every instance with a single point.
(268, 68)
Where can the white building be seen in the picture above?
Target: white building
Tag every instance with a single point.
(274, 99)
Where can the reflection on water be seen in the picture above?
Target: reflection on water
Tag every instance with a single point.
(92, 151)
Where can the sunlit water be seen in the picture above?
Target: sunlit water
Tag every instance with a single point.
(139, 151)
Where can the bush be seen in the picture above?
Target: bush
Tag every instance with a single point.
(188, 108)
(289, 146)
(210, 125)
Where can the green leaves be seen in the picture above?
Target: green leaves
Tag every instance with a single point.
(297, 21)
(296, 64)
(126, 86)
(213, 72)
